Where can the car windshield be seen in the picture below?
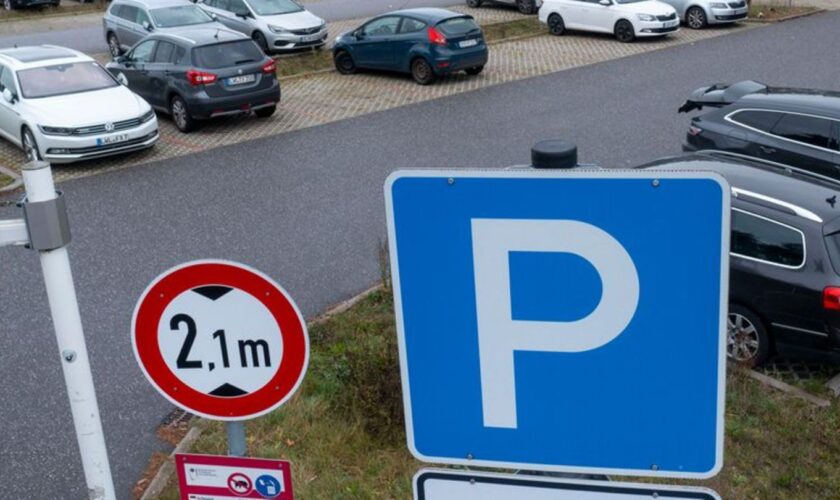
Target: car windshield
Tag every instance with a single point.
(274, 7)
(182, 15)
(458, 26)
(61, 79)
(225, 55)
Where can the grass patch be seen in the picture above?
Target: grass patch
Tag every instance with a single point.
(64, 9)
(344, 430)
(5, 180)
(763, 12)
(308, 62)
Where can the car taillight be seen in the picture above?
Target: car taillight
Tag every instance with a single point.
(692, 130)
(831, 298)
(436, 37)
(270, 67)
(200, 77)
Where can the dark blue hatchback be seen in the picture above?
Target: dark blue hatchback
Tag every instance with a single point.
(424, 42)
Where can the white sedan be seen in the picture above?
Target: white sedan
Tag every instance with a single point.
(60, 106)
(626, 19)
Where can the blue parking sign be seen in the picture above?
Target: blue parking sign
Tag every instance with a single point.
(567, 321)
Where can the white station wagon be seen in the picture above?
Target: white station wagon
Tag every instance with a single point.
(626, 19)
(61, 106)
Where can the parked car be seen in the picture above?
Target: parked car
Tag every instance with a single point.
(200, 73)
(799, 127)
(126, 22)
(61, 106)
(275, 25)
(426, 43)
(784, 286)
(17, 4)
(626, 19)
(698, 14)
(524, 6)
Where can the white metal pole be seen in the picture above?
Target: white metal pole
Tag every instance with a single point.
(55, 264)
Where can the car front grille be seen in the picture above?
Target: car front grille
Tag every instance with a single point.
(101, 129)
(306, 31)
(737, 5)
(669, 17)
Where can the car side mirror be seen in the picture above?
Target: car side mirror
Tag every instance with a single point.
(244, 14)
(121, 59)
(9, 96)
(358, 35)
(147, 26)
(605, 3)
(214, 16)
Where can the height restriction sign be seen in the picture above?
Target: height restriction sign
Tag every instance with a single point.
(220, 339)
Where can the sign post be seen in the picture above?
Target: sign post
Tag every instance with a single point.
(45, 229)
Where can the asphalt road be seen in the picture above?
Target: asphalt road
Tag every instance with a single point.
(307, 208)
(85, 34)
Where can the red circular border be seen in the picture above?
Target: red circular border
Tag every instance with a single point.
(162, 292)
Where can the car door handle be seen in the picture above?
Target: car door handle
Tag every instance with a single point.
(766, 149)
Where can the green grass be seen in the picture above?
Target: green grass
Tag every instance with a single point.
(66, 8)
(344, 431)
(764, 12)
(308, 62)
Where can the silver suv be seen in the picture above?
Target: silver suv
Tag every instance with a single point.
(128, 21)
(276, 25)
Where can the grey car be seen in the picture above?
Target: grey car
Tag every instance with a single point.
(128, 21)
(698, 14)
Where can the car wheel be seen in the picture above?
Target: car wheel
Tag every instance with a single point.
(556, 26)
(114, 45)
(181, 115)
(422, 71)
(746, 338)
(525, 6)
(344, 63)
(7, 4)
(474, 71)
(30, 146)
(260, 40)
(695, 18)
(265, 112)
(474, 3)
(624, 31)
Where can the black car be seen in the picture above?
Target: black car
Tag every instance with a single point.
(200, 73)
(17, 4)
(784, 288)
(798, 127)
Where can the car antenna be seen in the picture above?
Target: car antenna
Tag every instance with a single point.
(831, 201)
(216, 36)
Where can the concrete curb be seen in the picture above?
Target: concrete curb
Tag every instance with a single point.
(16, 180)
(166, 470)
(38, 17)
(789, 389)
(816, 10)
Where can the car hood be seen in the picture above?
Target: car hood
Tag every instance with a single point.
(652, 7)
(294, 21)
(100, 106)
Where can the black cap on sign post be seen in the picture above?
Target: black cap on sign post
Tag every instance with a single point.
(554, 153)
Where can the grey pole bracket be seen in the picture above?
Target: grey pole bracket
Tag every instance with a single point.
(47, 223)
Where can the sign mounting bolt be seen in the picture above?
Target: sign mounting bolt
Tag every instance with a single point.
(69, 355)
(470, 456)
(654, 467)
(655, 183)
(450, 181)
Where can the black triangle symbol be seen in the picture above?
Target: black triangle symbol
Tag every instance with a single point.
(227, 391)
(212, 292)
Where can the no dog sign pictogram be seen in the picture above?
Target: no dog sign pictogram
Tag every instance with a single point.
(220, 339)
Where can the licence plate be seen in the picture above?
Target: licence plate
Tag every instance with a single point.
(468, 43)
(239, 80)
(111, 139)
(670, 24)
(310, 38)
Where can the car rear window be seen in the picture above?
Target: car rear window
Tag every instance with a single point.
(182, 15)
(61, 79)
(225, 55)
(759, 238)
(458, 26)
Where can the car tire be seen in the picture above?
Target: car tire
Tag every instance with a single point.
(556, 26)
(747, 341)
(525, 6)
(474, 3)
(265, 112)
(180, 113)
(624, 31)
(695, 18)
(114, 45)
(29, 145)
(422, 72)
(7, 4)
(261, 42)
(474, 70)
(344, 63)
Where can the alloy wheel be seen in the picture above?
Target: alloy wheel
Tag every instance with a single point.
(555, 25)
(525, 6)
(624, 31)
(259, 38)
(30, 148)
(7, 4)
(179, 113)
(742, 338)
(114, 45)
(474, 3)
(696, 18)
(345, 63)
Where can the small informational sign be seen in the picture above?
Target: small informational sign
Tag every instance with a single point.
(430, 484)
(220, 339)
(212, 477)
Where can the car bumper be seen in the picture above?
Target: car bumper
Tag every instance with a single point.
(68, 149)
(281, 42)
(451, 61)
(722, 16)
(657, 28)
(203, 106)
